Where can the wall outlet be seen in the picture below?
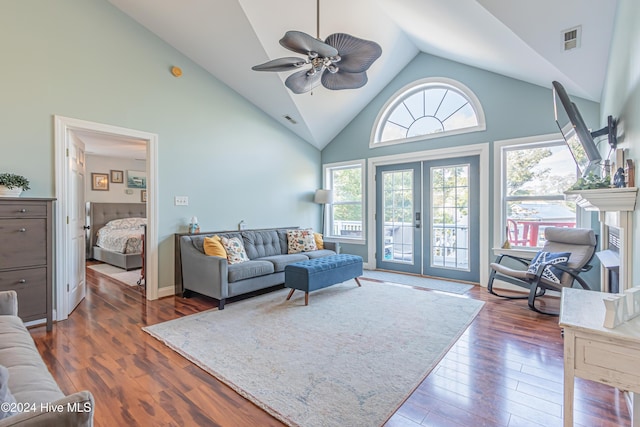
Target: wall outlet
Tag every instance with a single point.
(181, 201)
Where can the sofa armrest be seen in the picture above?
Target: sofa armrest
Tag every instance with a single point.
(334, 246)
(75, 410)
(9, 303)
(202, 273)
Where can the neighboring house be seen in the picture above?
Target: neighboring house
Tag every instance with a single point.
(87, 60)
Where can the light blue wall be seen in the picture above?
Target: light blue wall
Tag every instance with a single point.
(512, 108)
(621, 96)
(87, 60)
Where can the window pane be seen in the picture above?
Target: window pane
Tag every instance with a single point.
(535, 181)
(540, 171)
(427, 109)
(345, 214)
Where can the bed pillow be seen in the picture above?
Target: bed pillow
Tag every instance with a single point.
(126, 223)
(213, 246)
(300, 241)
(5, 393)
(235, 250)
(550, 272)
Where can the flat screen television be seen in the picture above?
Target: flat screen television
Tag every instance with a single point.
(575, 132)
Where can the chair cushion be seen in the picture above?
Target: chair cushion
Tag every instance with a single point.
(550, 273)
(519, 274)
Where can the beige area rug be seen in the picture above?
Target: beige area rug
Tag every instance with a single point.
(130, 277)
(349, 358)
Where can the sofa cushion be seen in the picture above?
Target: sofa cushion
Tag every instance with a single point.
(213, 247)
(249, 269)
(235, 250)
(321, 253)
(29, 378)
(301, 241)
(281, 261)
(261, 243)
(5, 394)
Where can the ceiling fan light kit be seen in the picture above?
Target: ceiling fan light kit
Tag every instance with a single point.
(340, 62)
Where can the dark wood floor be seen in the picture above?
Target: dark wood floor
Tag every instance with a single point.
(506, 370)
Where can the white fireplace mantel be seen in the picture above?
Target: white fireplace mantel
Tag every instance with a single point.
(615, 207)
(605, 199)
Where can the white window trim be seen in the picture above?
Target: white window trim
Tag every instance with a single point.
(325, 178)
(499, 213)
(385, 111)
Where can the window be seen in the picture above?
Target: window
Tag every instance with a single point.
(345, 218)
(534, 177)
(428, 108)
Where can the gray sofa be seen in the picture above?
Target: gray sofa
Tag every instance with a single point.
(267, 253)
(30, 389)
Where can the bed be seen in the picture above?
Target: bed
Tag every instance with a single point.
(116, 220)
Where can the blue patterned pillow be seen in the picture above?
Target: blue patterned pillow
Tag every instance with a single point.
(550, 273)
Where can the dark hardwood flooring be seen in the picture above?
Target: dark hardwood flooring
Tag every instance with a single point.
(506, 370)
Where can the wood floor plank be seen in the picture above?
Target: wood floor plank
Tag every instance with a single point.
(505, 370)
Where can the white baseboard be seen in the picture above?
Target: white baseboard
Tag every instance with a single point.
(166, 291)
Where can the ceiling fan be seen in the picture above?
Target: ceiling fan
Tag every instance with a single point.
(340, 62)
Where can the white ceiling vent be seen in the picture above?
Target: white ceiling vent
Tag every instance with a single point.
(571, 38)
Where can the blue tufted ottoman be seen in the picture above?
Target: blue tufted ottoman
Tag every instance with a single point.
(318, 273)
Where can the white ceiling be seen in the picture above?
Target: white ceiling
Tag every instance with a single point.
(517, 38)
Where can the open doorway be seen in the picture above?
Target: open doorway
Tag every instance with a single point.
(71, 178)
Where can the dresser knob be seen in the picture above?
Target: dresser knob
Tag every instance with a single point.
(23, 210)
(22, 230)
(22, 281)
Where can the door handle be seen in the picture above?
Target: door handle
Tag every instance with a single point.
(86, 227)
(417, 219)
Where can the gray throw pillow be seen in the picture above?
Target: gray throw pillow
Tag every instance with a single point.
(5, 394)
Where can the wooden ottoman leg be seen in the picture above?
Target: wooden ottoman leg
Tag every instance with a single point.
(358, 281)
(306, 298)
(290, 293)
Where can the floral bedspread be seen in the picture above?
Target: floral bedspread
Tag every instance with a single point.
(123, 236)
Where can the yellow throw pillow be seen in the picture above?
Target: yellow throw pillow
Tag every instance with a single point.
(319, 241)
(213, 247)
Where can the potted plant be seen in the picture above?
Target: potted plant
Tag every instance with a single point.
(11, 185)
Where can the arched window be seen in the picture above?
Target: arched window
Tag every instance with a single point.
(428, 108)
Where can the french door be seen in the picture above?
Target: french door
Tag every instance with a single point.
(427, 218)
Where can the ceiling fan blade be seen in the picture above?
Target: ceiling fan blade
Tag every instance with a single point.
(342, 80)
(303, 43)
(357, 54)
(300, 82)
(280, 64)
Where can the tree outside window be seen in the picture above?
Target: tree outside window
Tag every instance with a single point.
(535, 178)
(346, 216)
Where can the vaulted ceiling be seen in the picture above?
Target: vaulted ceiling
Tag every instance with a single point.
(522, 39)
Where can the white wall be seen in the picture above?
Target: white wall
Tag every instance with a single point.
(117, 193)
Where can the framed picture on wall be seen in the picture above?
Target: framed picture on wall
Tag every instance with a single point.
(100, 181)
(117, 177)
(143, 196)
(136, 179)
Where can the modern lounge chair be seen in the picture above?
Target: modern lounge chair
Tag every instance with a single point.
(566, 253)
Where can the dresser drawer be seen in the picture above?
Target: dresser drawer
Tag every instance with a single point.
(17, 209)
(31, 286)
(24, 243)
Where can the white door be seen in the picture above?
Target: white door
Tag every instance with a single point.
(76, 224)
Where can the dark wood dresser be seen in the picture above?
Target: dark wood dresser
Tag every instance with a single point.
(26, 255)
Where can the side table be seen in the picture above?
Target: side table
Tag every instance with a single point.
(596, 353)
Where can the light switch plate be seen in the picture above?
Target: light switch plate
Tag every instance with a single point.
(181, 201)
